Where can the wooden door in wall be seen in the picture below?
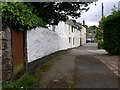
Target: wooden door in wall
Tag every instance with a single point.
(17, 51)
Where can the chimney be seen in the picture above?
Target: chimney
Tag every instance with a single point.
(53, 28)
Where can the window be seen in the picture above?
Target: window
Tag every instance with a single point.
(72, 29)
(69, 39)
(73, 41)
(69, 29)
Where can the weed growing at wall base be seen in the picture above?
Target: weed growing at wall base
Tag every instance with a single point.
(26, 81)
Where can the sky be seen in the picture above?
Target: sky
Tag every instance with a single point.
(94, 14)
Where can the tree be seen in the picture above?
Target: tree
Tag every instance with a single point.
(99, 33)
(28, 15)
(92, 27)
(53, 12)
(99, 29)
(114, 9)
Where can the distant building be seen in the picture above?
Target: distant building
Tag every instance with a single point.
(83, 36)
(72, 34)
(119, 5)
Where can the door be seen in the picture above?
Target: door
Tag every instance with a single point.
(17, 51)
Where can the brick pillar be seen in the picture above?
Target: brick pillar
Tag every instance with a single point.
(6, 55)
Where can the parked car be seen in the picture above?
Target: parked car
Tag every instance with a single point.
(89, 39)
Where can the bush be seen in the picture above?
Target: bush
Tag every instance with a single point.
(100, 44)
(111, 35)
(26, 81)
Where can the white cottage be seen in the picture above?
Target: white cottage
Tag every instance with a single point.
(119, 6)
(83, 35)
(72, 34)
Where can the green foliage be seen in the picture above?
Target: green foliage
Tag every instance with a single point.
(28, 15)
(100, 44)
(26, 81)
(99, 34)
(114, 9)
(20, 16)
(99, 31)
(53, 12)
(111, 33)
(9, 85)
(91, 29)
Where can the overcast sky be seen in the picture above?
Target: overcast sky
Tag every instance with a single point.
(93, 15)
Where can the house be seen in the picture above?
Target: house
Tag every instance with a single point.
(83, 35)
(119, 6)
(72, 34)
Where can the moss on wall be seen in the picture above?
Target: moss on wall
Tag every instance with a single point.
(18, 68)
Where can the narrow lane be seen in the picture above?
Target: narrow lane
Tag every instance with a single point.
(91, 72)
(77, 68)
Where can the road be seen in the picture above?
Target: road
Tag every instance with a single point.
(91, 72)
(78, 68)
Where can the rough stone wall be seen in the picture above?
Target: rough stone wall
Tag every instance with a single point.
(0, 59)
(6, 55)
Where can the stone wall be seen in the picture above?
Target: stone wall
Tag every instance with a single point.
(0, 59)
(6, 55)
(41, 42)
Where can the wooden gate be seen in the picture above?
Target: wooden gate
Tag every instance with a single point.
(17, 51)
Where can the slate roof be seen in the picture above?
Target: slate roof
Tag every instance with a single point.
(74, 24)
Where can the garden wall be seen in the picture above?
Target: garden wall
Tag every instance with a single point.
(6, 55)
(0, 59)
(41, 42)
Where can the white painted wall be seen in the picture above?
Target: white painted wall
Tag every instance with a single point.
(41, 42)
(74, 35)
(65, 31)
(83, 35)
(61, 31)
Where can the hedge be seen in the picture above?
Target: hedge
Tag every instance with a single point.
(111, 34)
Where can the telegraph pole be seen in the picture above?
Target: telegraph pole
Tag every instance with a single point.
(102, 10)
(102, 18)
